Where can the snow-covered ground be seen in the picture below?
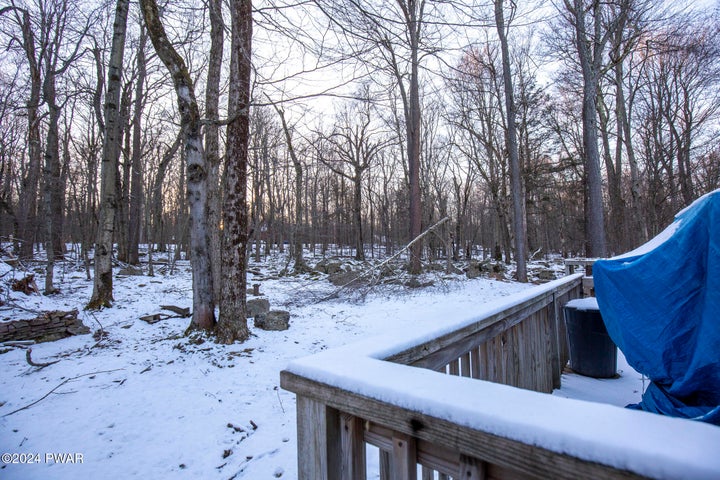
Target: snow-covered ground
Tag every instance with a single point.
(146, 401)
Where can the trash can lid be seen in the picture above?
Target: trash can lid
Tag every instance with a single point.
(589, 303)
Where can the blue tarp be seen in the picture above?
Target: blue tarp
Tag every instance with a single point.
(661, 306)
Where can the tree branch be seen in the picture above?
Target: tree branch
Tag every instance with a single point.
(67, 380)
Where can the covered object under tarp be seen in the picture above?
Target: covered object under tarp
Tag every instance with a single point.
(661, 306)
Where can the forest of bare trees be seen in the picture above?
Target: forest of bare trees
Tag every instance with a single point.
(222, 131)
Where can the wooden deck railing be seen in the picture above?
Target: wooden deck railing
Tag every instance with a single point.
(459, 426)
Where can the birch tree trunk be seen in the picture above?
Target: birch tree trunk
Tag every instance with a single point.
(232, 325)
(203, 306)
(102, 286)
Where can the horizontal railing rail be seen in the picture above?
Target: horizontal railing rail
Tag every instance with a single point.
(389, 392)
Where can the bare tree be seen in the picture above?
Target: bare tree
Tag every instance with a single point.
(637, 223)
(463, 178)
(593, 26)
(354, 149)
(212, 139)
(232, 325)
(678, 101)
(479, 121)
(266, 140)
(136, 162)
(25, 218)
(156, 193)
(203, 306)
(413, 20)
(398, 35)
(102, 295)
(12, 136)
(299, 186)
(518, 197)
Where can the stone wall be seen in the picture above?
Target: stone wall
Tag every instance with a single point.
(47, 326)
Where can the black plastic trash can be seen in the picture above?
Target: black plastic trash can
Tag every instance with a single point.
(592, 351)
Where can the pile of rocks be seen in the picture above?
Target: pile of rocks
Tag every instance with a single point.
(46, 327)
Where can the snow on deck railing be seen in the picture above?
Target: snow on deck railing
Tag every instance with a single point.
(464, 426)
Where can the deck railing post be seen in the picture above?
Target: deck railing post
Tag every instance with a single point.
(472, 469)
(556, 316)
(404, 457)
(385, 465)
(353, 447)
(318, 435)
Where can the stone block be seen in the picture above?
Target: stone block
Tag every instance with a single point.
(257, 306)
(276, 320)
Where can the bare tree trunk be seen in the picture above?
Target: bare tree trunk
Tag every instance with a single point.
(257, 188)
(25, 221)
(203, 306)
(638, 217)
(88, 216)
(122, 182)
(298, 230)
(261, 164)
(232, 325)
(136, 175)
(613, 169)
(181, 221)
(413, 125)
(589, 53)
(102, 287)
(297, 165)
(51, 177)
(371, 220)
(151, 268)
(58, 56)
(54, 196)
(212, 142)
(271, 200)
(357, 216)
(518, 196)
(157, 194)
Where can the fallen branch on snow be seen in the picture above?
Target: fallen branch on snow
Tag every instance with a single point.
(17, 343)
(370, 270)
(156, 317)
(67, 380)
(30, 361)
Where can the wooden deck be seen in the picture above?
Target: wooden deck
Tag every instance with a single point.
(432, 426)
